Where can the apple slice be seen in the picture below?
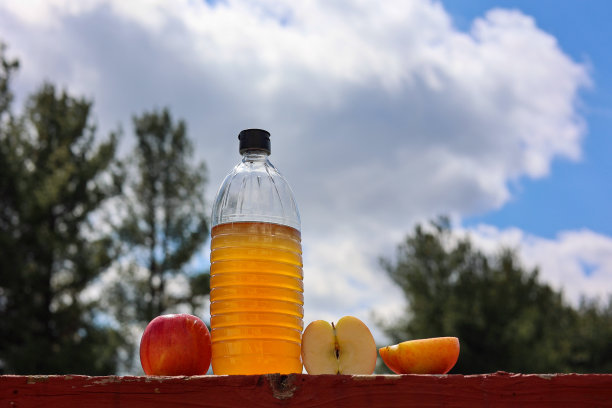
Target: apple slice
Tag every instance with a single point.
(423, 356)
(344, 348)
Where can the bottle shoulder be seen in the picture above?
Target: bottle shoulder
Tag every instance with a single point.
(255, 191)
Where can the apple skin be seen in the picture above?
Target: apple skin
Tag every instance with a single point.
(423, 356)
(175, 344)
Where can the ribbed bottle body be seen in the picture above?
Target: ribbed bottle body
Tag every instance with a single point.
(256, 298)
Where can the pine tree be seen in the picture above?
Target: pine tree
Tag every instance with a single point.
(53, 178)
(504, 316)
(164, 226)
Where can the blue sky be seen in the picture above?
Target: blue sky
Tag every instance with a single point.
(576, 194)
(382, 115)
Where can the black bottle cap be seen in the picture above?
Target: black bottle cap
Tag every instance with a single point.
(254, 139)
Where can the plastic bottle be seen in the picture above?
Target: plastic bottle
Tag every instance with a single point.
(256, 267)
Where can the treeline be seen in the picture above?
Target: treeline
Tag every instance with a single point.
(505, 318)
(89, 243)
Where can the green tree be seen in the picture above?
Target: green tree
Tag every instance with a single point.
(592, 339)
(505, 318)
(53, 178)
(164, 226)
(6, 96)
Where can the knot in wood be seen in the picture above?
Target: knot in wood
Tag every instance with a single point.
(282, 385)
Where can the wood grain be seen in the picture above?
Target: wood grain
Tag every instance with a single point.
(299, 390)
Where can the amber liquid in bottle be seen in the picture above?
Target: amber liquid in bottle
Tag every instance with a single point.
(256, 298)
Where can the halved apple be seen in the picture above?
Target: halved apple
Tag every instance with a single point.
(346, 347)
(423, 356)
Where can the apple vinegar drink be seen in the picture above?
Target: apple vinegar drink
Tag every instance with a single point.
(256, 268)
(256, 298)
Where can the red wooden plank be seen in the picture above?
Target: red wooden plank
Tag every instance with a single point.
(492, 390)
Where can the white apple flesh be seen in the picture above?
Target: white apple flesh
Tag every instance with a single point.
(344, 348)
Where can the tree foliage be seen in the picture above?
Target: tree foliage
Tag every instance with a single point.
(53, 178)
(505, 317)
(592, 338)
(164, 224)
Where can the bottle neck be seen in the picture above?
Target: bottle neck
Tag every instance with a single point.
(255, 155)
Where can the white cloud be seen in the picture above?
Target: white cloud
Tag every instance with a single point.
(381, 113)
(48, 13)
(577, 262)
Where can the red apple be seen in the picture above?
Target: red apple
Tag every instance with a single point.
(175, 344)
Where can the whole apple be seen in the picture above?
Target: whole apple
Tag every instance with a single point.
(175, 344)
